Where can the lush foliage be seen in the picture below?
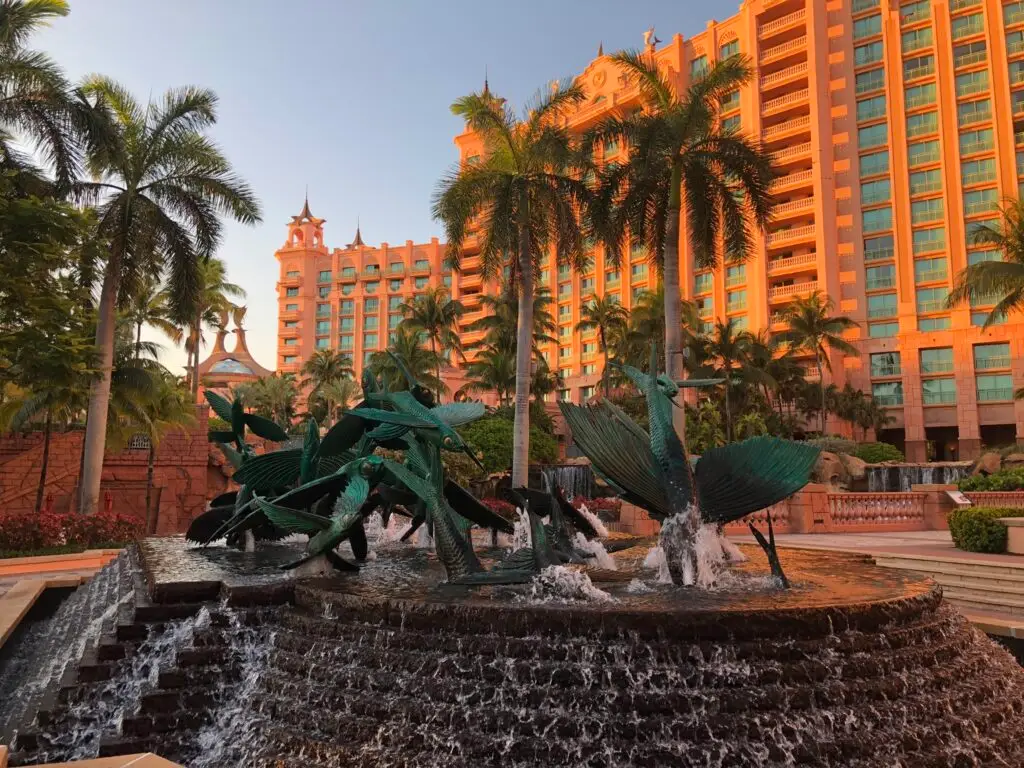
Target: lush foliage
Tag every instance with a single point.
(1003, 480)
(501, 507)
(977, 529)
(491, 436)
(876, 453)
(834, 444)
(29, 531)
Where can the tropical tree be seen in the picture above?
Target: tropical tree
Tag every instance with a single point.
(272, 397)
(149, 306)
(338, 395)
(681, 156)
(646, 328)
(608, 317)
(526, 194)
(436, 315)
(1001, 282)
(500, 320)
(159, 186)
(493, 369)
(213, 300)
(729, 348)
(814, 329)
(422, 363)
(169, 408)
(323, 370)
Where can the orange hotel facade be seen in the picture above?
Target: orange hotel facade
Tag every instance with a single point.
(896, 127)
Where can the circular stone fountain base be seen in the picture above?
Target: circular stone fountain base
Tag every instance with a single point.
(858, 666)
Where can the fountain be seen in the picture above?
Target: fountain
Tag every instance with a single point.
(884, 478)
(574, 479)
(450, 655)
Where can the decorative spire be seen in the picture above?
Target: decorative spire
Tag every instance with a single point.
(600, 49)
(359, 238)
(487, 87)
(306, 215)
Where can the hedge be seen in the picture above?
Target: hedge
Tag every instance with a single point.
(876, 453)
(1003, 480)
(977, 529)
(26, 533)
(492, 437)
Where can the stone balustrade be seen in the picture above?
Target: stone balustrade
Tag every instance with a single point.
(996, 498)
(857, 509)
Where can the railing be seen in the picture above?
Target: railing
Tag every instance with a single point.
(925, 307)
(888, 401)
(959, 5)
(878, 283)
(800, 150)
(995, 395)
(1015, 17)
(779, 265)
(784, 74)
(974, 28)
(930, 276)
(777, 318)
(938, 398)
(370, 274)
(872, 84)
(988, 363)
(396, 269)
(859, 6)
(863, 509)
(780, 519)
(781, 23)
(797, 233)
(981, 206)
(975, 116)
(881, 371)
(799, 43)
(914, 16)
(879, 254)
(420, 270)
(876, 111)
(921, 100)
(797, 97)
(967, 59)
(793, 206)
(923, 129)
(972, 147)
(736, 306)
(784, 291)
(878, 313)
(996, 498)
(792, 179)
(1012, 49)
(349, 277)
(971, 88)
(916, 72)
(932, 185)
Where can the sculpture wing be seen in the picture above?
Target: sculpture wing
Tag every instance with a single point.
(618, 453)
(698, 383)
(265, 428)
(468, 506)
(394, 417)
(235, 459)
(271, 470)
(293, 520)
(457, 414)
(355, 494)
(219, 405)
(306, 495)
(343, 435)
(740, 478)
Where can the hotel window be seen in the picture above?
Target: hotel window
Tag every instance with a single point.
(1014, 43)
(887, 393)
(883, 330)
(992, 388)
(564, 289)
(611, 277)
(563, 271)
(916, 39)
(868, 54)
(324, 276)
(979, 319)
(586, 285)
(731, 101)
(589, 369)
(874, 164)
(929, 324)
(370, 340)
(564, 395)
(291, 323)
(371, 305)
(371, 287)
(971, 83)
(590, 348)
(735, 301)
(345, 342)
(1020, 163)
(348, 271)
(323, 343)
(703, 282)
(921, 125)
(291, 342)
(323, 327)
(368, 356)
(980, 201)
(372, 269)
(347, 324)
(974, 112)
(938, 360)
(872, 80)
(923, 152)
(974, 53)
(324, 291)
(292, 273)
(446, 280)
(741, 323)
(976, 141)
(732, 48)
(938, 391)
(977, 171)
(638, 271)
(926, 210)
(976, 257)
(564, 310)
(873, 136)
(925, 181)
(930, 270)
(421, 264)
(565, 331)
(870, 109)
(290, 292)
(636, 293)
(989, 356)
(886, 364)
(872, 192)
(394, 285)
(323, 310)
(371, 323)
(698, 66)
(394, 302)
(876, 248)
(918, 67)
(586, 393)
(881, 305)
(420, 283)
(931, 300)
(705, 306)
(395, 267)
(348, 306)
(1013, 13)
(637, 250)
(876, 278)
(914, 12)
(290, 359)
(920, 96)
(876, 220)
(565, 352)
(611, 146)
(472, 159)
(983, 225)
(965, 26)
(870, 25)
(347, 289)
(732, 124)
(736, 275)
(545, 276)
(291, 307)
(394, 321)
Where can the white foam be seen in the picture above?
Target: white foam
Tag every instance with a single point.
(601, 557)
(594, 520)
(556, 583)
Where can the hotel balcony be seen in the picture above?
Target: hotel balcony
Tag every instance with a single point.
(347, 277)
(781, 24)
(371, 274)
(793, 180)
(792, 264)
(289, 314)
(395, 269)
(783, 76)
(783, 293)
(789, 48)
(788, 128)
(419, 271)
(295, 281)
(792, 208)
(794, 235)
(470, 280)
(787, 101)
(791, 154)
(289, 333)
(777, 321)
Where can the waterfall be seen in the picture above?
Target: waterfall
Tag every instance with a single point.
(900, 477)
(574, 479)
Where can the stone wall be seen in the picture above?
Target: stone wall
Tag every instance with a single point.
(180, 478)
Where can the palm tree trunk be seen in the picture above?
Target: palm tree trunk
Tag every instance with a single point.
(138, 341)
(821, 382)
(149, 488)
(728, 411)
(524, 348)
(673, 303)
(99, 397)
(433, 349)
(46, 460)
(195, 351)
(605, 380)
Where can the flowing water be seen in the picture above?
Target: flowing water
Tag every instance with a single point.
(574, 479)
(900, 477)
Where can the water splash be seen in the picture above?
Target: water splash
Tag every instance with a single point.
(594, 520)
(556, 583)
(521, 536)
(601, 557)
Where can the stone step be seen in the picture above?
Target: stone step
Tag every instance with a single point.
(939, 564)
(978, 600)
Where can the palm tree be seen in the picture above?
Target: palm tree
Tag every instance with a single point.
(526, 196)
(813, 328)
(729, 348)
(1002, 280)
(149, 306)
(169, 408)
(500, 321)
(323, 370)
(338, 395)
(608, 317)
(407, 346)
(493, 369)
(437, 315)
(159, 186)
(680, 155)
(215, 294)
(272, 397)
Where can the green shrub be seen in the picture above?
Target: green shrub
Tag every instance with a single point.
(977, 529)
(492, 437)
(876, 453)
(833, 444)
(217, 424)
(1003, 480)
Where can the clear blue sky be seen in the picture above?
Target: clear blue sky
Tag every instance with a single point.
(349, 98)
